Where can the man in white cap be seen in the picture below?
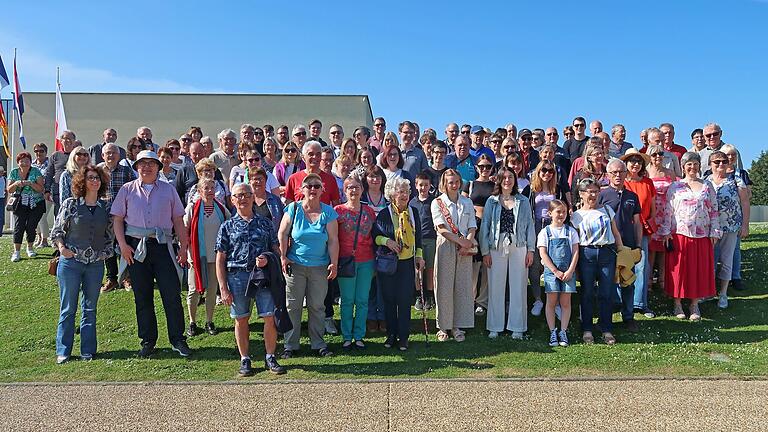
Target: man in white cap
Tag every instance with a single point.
(145, 214)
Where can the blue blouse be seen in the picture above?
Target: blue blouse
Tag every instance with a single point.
(310, 240)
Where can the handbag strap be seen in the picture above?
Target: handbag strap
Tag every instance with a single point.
(357, 229)
(447, 216)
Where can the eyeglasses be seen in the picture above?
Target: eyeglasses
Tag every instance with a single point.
(617, 173)
(93, 178)
(465, 132)
(242, 195)
(352, 187)
(635, 161)
(335, 132)
(82, 155)
(713, 134)
(300, 134)
(186, 139)
(719, 162)
(253, 159)
(552, 134)
(659, 154)
(174, 148)
(527, 138)
(496, 141)
(316, 186)
(485, 166)
(379, 125)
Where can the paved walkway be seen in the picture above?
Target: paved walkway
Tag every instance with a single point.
(575, 405)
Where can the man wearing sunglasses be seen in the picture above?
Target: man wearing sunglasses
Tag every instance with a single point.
(477, 134)
(379, 128)
(713, 136)
(574, 146)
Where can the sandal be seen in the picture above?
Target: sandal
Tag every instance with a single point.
(588, 338)
(458, 335)
(609, 339)
(678, 312)
(287, 354)
(442, 336)
(324, 352)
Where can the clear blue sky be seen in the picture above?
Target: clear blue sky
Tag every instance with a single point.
(532, 63)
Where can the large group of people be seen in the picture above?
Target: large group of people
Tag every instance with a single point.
(384, 222)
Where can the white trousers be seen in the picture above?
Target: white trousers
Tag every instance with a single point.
(510, 266)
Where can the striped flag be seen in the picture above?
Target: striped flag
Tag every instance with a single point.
(61, 119)
(3, 122)
(18, 104)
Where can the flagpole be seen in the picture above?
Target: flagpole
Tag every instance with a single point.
(12, 159)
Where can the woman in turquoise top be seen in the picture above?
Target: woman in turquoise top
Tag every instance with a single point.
(309, 250)
(26, 182)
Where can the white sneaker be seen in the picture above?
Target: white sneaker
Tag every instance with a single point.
(31, 253)
(493, 335)
(537, 307)
(16, 257)
(479, 311)
(722, 302)
(558, 311)
(517, 335)
(330, 326)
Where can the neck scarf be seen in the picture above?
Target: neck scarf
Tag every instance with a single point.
(405, 235)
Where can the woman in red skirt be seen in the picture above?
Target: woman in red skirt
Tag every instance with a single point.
(690, 230)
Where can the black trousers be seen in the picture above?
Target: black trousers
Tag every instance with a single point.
(25, 221)
(398, 290)
(157, 267)
(333, 291)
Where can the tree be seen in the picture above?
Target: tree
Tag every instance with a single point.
(759, 176)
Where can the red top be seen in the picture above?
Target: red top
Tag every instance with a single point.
(677, 149)
(347, 224)
(330, 194)
(646, 191)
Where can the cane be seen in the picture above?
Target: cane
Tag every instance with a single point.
(420, 286)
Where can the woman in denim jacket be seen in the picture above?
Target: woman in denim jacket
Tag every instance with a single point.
(507, 241)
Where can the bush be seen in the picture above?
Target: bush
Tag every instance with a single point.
(759, 176)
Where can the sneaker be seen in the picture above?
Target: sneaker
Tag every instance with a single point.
(347, 345)
(722, 302)
(479, 311)
(146, 351)
(695, 314)
(61, 359)
(678, 312)
(31, 252)
(16, 256)
(553, 338)
(493, 335)
(517, 335)
(273, 366)
(389, 341)
(403, 345)
(210, 328)
(86, 357)
(359, 344)
(182, 348)
(648, 313)
(192, 330)
(330, 327)
(245, 368)
(563, 335)
(558, 311)
(537, 307)
(418, 305)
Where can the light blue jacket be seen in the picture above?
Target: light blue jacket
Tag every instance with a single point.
(488, 237)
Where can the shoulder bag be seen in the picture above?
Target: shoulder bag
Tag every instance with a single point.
(14, 201)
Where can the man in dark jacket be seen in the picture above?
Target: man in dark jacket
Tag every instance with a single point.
(187, 176)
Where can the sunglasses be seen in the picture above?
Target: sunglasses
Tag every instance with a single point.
(712, 135)
(289, 150)
(719, 162)
(335, 132)
(186, 139)
(300, 134)
(484, 166)
(496, 141)
(315, 186)
(379, 125)
(579, 125)
(547, 171)
(253, 159)
(174, 148)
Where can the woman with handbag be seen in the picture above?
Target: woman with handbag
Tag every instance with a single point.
(507, 241)
(25, 184)
(454, 218)
(397, 233)
(84, 237)
(356, 262)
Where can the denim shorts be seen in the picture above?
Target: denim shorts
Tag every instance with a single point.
(241, 304)
(555, 285)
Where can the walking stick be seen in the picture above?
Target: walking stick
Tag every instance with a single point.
(420, 285)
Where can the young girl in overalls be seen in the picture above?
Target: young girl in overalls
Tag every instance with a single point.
(559, 250)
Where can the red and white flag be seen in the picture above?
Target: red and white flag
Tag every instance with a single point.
(61, 119)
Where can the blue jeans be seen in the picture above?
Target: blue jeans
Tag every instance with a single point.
(643, 273)
(597, 265)
(75, 277)
(375, 302)
(736, 272)
(354, 300)
(2, 215)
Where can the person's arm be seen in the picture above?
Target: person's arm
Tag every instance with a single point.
(38, 185)
(181, 233)
(744, 202)
(221, 276)
(60, 229)
(616, 235)
(381, 231)
(282, 237)
(574, 262)
(49, 175)
(125, 250)
(333, 247)
(638, 226)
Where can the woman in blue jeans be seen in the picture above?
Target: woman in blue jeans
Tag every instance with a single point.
(599, 240)
(83, 234)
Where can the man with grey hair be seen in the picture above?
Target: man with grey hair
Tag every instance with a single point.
(247, 136)
(57, 163)
(312, 154)
(595, 127)
(207, 144)
(226, 157)
(110, 136)
(299, 136)
(713, 136)
(626, 206)
(145, 135)
(451, 132)
(617, 146)
(670, 161)
(511, 131)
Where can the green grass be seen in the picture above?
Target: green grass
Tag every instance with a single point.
(725, 343)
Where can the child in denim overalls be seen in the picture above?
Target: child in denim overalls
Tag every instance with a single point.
(559, 249)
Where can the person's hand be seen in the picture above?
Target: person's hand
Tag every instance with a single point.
(226, 296)
(466, 243)
(261, 261)
(181, 256)
(127, 253)
(529, 259)
(714, 240)
(487, 261)
(393, 246)
(744, 231)
(419, 264)
(285, 263)
(48, 197)
(567, 275)
(66, 253)
(332, 271)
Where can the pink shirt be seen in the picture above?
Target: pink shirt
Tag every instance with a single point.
(347, 226)
(148, 208)
(693, 214)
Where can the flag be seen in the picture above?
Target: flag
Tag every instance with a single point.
(61, 119)
(4, 123)
(18, 104)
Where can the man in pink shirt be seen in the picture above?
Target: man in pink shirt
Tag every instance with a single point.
(145, 214)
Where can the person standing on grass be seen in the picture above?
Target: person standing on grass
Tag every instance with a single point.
(559, 251)
(57, 165)
(243, 242)
(27, 183)
(146, 212)
(83, 235)
(423, 205)
(42, 163)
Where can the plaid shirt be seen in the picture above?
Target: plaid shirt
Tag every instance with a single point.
(117, 178)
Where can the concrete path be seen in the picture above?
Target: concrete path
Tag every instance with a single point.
(569, 405)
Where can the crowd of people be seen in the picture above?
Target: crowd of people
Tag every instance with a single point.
(382, 222)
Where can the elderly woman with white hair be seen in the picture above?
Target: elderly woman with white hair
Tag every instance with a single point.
(78, 158)
(397, 230)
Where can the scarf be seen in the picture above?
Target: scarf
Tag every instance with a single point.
(405, 234)
(197, 242)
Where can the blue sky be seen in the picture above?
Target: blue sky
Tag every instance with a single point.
(535, 64)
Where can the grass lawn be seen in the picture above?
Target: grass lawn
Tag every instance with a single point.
(724, 343)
